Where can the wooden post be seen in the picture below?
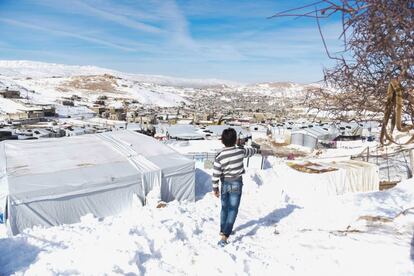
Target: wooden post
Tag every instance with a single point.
(411, 153)
(367, 154)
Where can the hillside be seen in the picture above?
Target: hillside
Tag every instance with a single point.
(48, 83)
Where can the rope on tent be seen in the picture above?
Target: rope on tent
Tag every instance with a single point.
(393, 112)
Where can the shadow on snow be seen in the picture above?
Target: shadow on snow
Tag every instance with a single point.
(16, 255)
(202, 184)
(270, 219)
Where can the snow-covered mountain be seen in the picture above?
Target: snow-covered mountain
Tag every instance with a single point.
(48, 83)
(34, 69)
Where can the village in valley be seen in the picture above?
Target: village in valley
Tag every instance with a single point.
(100, 102)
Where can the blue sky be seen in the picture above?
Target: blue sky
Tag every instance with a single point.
(223, 39)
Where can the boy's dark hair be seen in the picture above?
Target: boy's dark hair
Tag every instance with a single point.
(229, 137)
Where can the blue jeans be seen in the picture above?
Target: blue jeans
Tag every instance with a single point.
(231, 192)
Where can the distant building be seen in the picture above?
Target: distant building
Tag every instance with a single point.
(117, 114)
(31, 113)
(67, 102)
(10, 94)
(98, 109)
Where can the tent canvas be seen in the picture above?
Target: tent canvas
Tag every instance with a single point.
(184, 132)
(351, 176)
(55, 181)
(218, 130)
(304, 138)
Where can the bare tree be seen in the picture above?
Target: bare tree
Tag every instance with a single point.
(378, 39)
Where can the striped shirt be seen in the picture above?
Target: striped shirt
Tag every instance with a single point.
(228, 164)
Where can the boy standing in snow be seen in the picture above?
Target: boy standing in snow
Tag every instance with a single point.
(228, 167)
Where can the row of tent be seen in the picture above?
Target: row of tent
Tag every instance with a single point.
(309, 135)
(191, 132)
(341, 128)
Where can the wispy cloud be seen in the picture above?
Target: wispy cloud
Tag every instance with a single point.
(176, 24)
(233, 10)
(106, 11)
(165, 17)
(64, 33)
(117, 18)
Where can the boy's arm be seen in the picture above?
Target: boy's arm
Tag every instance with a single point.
(264, 152)
(249, 152)
(217, 172)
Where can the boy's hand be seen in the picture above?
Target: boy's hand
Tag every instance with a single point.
(266, 152)
(216, 192)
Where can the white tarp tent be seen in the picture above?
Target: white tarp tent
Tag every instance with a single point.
(218, 130)
(184, 132)
(55, 181)
(304, 138)
(351, 176)
(74, 111)
(354, 176)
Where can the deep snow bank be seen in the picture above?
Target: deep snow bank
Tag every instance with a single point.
(276, 233)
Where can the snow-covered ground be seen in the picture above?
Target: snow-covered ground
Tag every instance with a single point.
(9, 106)
(196, 146)
(276, 233)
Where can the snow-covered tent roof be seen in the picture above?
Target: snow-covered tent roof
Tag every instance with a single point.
(55, 181)
(74, 111)
(134, 126)
(184, 132)
(349, 129)
(218, 130)
(322, 133)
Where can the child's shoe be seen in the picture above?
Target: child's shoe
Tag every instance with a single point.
(222, 243)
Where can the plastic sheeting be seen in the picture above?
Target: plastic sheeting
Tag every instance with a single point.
(218, 130)
(184, 132)
(54, 181)
(351, 176)
(354, 176)
(305, 139)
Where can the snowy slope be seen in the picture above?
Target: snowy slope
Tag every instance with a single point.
(24, 68)
(49, 89)
(48, 83)
(9, 106)
(274, 235)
